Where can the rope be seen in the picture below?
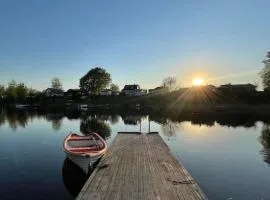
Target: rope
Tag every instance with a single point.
(174, 182)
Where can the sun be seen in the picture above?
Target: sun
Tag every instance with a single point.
(197, 81)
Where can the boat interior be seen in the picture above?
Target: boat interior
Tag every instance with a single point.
(78, 143)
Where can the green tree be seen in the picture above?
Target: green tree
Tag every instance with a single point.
(265, 72)
(169, 82)
(95, 80)
(22, 91)
(2, 91)
(114, 87)
(56, 83)
(11, 91)
(32, 92)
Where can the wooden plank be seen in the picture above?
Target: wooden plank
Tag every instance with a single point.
(140, 166)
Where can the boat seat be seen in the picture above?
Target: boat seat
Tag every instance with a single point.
(83, 149)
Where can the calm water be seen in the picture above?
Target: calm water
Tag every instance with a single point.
(228, 161)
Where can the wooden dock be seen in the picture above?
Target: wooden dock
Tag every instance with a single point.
(140, 166)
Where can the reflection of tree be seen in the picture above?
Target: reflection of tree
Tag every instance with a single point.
(94, 125)
(22, 118)
(203, 121)
(56, 124)
(132, 119)
(158, 119)
(236, 121)
(2, 118)
(56, 119)
(15, 119)
(114, 119)
(169, 129)
(265, 141)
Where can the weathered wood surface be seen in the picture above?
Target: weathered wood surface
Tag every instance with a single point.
(139, 166)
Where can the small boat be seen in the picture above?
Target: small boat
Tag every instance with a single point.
(83, 107)
(84, 151)
(22, 106)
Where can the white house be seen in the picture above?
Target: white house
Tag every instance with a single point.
(115, 93)
(105, 92)
(133, 90)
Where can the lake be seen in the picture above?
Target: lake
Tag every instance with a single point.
(229, 158)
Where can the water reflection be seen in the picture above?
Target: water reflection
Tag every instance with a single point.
(73, 177)
(100, 122)
(169, 128)
(229, 120)
(93, 124)
(20, 118)
(265, 141)
(17, 119)
(134, 119)
(56, 119)
(114, 119)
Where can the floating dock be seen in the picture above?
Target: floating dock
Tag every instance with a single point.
(140, 166)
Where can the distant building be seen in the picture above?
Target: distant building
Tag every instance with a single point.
(133, 90)
(210, 87)
(73, 93)
(267, 89)
(238, 87)
(115, 93)
(105, 92)
(160, 89)
(53, 92)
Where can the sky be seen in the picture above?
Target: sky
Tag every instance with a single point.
(138, 41)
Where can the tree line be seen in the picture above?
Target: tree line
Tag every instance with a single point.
(97, 79)
(15, 91)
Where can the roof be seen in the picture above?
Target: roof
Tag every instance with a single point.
(238, 85)
(55, 90)
(73, 90)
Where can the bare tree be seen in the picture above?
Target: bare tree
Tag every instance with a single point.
(169, 82)
(265, 72)
(56, 83)
(114, 87)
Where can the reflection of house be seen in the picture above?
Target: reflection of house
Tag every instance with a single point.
(238, 87)
(133, 90)
(53, 92)
(131, 119)
(73, 93)
(105, 92)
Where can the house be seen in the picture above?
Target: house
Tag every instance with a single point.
(115, 93)
(53, 92)
(105, 92)
(156, 90)
(133, 90)
(73, 93)
(210, 88)
(238, 87)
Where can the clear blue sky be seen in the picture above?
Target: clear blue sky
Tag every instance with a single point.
(136, 41)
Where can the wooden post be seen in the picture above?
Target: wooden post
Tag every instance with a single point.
(149, 126)
(140, 125)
